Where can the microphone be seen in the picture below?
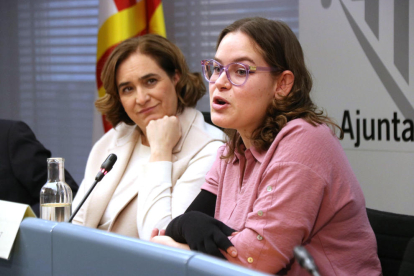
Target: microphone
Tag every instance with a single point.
(305, 260)
(105, 168)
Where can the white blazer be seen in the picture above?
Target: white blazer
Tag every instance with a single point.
(158, 191)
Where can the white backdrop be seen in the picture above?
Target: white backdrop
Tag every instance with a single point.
(361, 55)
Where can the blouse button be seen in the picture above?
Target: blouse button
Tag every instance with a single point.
(260, 213)
(259, 237)
(269, 188)
(250, 260)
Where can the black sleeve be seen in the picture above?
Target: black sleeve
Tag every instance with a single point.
(28, 158)
(29, 161)
(198, 228)
(201, 232)
(205, 202)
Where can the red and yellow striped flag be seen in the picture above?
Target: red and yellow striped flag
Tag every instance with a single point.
(120, 20)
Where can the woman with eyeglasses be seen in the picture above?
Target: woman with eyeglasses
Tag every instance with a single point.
(282, 179)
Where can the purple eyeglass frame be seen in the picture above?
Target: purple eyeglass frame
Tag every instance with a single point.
(225, 68)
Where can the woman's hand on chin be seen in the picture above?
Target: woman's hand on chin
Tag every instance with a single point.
(162, 135)
(160, 238)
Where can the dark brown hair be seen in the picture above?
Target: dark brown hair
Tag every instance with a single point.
(280, 48)
(190, 88)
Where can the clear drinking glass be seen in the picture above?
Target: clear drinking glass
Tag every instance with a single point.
(56, 195)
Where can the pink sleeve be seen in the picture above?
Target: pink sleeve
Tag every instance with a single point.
(213, 176)
(283, 216)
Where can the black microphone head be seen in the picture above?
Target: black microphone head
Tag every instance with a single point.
(109, 162)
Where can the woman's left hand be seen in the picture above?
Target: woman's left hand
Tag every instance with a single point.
(160, 238)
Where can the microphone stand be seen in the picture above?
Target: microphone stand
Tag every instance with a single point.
(83, 200)
(105, 168)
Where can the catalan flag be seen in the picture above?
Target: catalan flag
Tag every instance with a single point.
(120, 20)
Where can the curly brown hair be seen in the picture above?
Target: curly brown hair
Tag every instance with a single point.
(280, 48)
(190, 87)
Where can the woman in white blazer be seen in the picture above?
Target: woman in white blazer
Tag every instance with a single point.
(163, 145)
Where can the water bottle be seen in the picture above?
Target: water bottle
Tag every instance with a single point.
(56, 195)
